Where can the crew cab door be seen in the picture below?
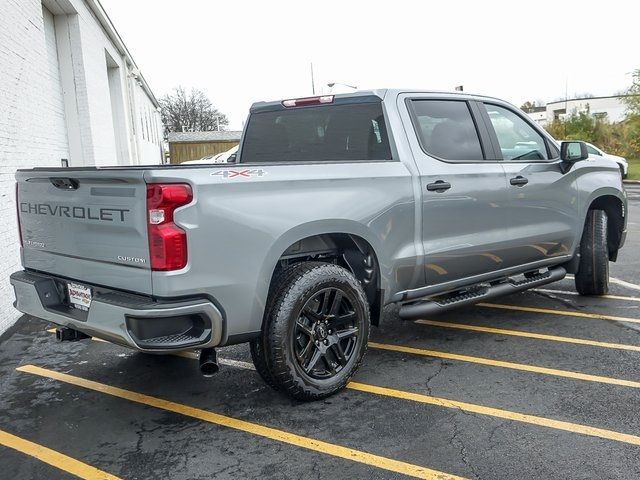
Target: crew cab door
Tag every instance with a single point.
(464, 195)
(542, 208)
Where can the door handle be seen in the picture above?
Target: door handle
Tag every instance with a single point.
(438, 186)
(519, 181)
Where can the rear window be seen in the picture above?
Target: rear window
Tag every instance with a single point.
(313, 134)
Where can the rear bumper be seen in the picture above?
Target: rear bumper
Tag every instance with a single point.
(135, 321)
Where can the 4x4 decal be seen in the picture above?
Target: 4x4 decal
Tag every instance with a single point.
(245, 173)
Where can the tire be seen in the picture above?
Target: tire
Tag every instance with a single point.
(315, 332)
(592, 277)
(257, 347)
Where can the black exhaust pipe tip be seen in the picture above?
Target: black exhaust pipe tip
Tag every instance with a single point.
(208, 362)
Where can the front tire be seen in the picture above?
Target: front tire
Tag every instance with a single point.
(315, 332)
(592, 277)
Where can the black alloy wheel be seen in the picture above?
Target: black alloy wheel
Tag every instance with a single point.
(326, 333)
(315, 331)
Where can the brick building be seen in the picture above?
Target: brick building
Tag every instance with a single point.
(70, 92)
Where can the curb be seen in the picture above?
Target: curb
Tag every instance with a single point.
(631, 182)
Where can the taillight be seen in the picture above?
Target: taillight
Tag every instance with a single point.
(18, 217)
(167, 241)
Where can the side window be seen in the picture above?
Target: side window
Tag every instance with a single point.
(518, 140)
(446, 129)
(593, 151)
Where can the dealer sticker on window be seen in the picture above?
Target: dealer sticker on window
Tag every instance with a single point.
(79, 296)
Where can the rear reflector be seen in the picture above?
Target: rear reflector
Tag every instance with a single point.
(305, 102)
(167, 241)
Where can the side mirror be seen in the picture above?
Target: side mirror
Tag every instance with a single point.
(572, 152)
(233, 158)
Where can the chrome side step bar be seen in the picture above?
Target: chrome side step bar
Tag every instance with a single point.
(480, 293)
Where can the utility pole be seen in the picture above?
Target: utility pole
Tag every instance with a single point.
(313, 83)
(566, 103)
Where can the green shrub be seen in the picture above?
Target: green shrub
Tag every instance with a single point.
(620, 138)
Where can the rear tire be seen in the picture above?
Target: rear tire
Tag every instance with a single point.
(257, 347)
(315, 331)
(592, 277)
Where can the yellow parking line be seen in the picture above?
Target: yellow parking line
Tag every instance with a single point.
(469, 359)
(373, 389)
(568, 313)
(617, 281)
(474, 408)
(53, 458)
(537, 336)
(247, 427)
(498, 363)
(624, 283)
(496, 412)
(565, 292)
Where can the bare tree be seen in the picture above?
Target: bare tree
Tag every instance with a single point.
(193, 111)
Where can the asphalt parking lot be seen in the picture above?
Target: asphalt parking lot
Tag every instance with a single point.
(544, 384)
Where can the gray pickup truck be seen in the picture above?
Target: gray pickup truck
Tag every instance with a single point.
(335, 207)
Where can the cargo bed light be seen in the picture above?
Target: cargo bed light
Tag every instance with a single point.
(305, 102)
(167, 241)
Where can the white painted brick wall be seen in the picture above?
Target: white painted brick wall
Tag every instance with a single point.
(33, 131)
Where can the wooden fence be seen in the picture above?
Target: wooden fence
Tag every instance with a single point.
(183, 151)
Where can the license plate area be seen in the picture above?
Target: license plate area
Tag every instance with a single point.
(79, 296)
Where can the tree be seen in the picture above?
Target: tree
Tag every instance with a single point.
(632, 96)
(530, 106)
(193, 111)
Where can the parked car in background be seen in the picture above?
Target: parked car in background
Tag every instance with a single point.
(217, 158)
(621, 161)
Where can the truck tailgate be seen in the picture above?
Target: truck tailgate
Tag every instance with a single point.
(87, 225)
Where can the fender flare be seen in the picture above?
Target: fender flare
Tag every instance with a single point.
(305, 230)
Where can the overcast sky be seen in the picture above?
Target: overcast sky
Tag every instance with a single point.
(241, 51)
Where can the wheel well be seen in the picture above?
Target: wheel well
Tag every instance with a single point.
(614, 209)
(349, 251)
